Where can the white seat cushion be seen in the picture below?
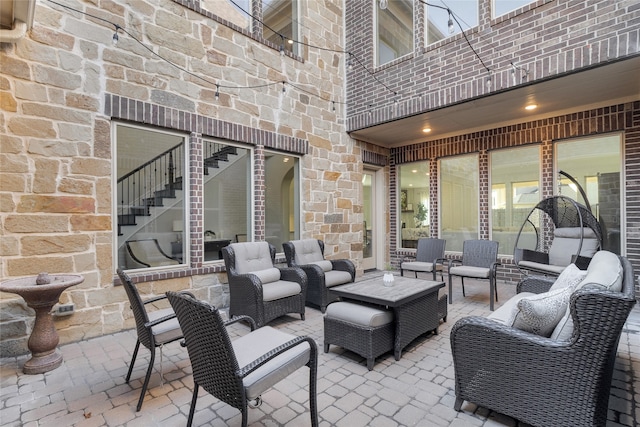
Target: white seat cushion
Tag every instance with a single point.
(565, 244)
(336, 277)
(418, 266)
(166, 331)
(468, 271)
(279, 289)
(253, 345)
(358, 314)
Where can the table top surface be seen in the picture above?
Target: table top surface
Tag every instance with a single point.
(373, 290)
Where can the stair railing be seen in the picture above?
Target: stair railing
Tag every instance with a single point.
(147, 184)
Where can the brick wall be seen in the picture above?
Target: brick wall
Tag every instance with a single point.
(548, 38)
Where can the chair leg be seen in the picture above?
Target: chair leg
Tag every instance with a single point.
(245, 415)
(450, 290)
(416, 273)
(313, 383)
(146, 379)
(192, 410)
(458, 405)
(401, 272)
(133, 360)
(462, 280)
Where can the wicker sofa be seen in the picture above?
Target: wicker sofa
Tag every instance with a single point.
(560, 380)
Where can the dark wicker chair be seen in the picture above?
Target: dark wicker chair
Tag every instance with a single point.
(257, 288)
(155, 328)
(429, 258)
(240, 371)
(557, 232)
(322, 274)
(479, 261)
(541, 381)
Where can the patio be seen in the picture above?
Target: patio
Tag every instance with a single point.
(89, 388)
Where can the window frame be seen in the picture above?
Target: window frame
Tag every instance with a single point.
(186, 202)
(376, 33)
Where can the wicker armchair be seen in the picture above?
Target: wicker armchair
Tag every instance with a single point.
(155, 328)
(545, 381)
(480, 261)
(257, 288)
(429, 258)
(239, 371)
(322, 274)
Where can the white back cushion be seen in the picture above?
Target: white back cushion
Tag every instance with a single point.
(252, 256)
(566, 241)
(307, 251)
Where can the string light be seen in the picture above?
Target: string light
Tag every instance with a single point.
(115, 38)
(383, 4)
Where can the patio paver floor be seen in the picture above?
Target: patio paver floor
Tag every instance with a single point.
(418, 390)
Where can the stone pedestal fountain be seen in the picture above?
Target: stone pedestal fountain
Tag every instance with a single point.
(41, 293)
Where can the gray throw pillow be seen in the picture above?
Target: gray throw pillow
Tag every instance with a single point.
(539, 314)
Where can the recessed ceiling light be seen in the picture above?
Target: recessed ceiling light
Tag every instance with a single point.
(414, 171)
(426, 130)
(531, 107)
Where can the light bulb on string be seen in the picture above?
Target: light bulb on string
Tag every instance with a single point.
(333, 106)
(488, 81)
(283, 86)
(384, 4)
(452, 29)
(349, 63)
(217, 95)
(282, 47)
(115, 37)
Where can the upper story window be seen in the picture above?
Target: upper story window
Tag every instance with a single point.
(440, 24)
(502, 7)
(394, 29)
(280, 18)
(236, 11)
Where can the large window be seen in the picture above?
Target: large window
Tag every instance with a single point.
(515, 190)
(227, 202)
(502, 7)
(394, 29)
(591, 167)
(414, 202)
(151, 198)
(280, 17)
(459, 185)
(440, 24)
(282, 199)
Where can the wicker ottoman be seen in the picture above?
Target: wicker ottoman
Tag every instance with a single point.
(365, 330)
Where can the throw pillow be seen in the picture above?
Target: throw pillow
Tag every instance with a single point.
(539, 314)
(569, 277)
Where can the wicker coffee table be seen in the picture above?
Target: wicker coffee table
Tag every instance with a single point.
(414, 303)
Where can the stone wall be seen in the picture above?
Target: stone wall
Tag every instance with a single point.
(64, 83)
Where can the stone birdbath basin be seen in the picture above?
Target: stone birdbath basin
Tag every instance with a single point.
(41, 293)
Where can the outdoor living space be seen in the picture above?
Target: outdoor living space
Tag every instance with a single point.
(89, 388)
